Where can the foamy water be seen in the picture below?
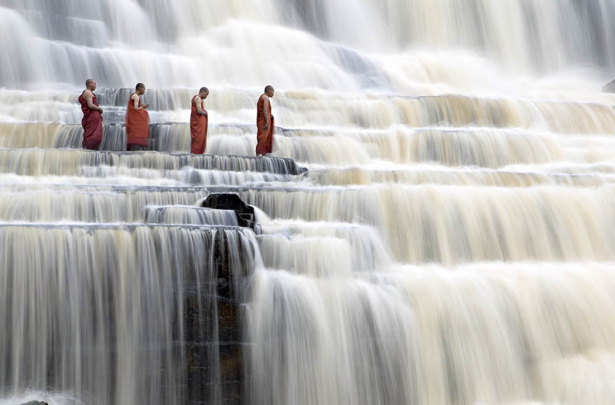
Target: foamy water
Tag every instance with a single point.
(451, 243)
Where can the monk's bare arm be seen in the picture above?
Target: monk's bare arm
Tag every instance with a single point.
(265, 111)
(135, 100)
(197, 103)
(89, 97)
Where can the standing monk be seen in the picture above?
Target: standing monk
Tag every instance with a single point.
(137, 120)
(92, 117)
(264, 123)
(198, 122)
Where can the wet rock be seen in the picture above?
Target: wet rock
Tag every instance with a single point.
(213, 371)
(229, 201)
(609, 88)
(36, 403)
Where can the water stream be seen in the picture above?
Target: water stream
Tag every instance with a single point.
(451, 243)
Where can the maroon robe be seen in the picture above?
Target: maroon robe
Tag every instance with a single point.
(198, 129)
(92, 124)
(264, 136)
(137, 124)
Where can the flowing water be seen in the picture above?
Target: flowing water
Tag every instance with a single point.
(452, 242)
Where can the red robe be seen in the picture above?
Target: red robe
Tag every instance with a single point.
(264, 137)
(92, 124)
(137, 124)
(198, 129)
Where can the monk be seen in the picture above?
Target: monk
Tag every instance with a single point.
(264, 123)
(137, 120)
(198, 122)
(92, 117)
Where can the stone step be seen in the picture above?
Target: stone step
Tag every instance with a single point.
(69, 162)
(298, 109)
(29, 203)
(186, 214)
(164, 137)
(496, 215)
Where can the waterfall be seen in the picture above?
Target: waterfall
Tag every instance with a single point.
(494, 333)
(113, 312)
(175, 214)
(434, 225)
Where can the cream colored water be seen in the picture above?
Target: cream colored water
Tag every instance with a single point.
(451, 243)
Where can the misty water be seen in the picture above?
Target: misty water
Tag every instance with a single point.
(451, 243)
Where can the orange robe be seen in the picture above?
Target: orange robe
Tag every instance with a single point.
(198, 129)
(92, 124)
(264, 137)
(137, 124)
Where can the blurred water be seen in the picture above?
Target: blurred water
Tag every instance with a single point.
(451, 243)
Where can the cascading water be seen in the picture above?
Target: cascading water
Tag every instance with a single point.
(450, 244)
(111, 314)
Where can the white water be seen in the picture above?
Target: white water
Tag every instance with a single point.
(451, 244)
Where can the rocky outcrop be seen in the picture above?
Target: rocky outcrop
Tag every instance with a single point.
(232, 202)
(213, 362)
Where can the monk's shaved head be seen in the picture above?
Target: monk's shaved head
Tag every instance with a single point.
(90, 84)
(139, 86)
(203, 93)
(269, 91)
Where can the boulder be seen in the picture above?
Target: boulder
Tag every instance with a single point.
(36, 403)
(609, 88)
(230, 201)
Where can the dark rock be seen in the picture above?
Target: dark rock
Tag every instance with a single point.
(609, 88)
(36, 403)
(229, 201)
(212, 322)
